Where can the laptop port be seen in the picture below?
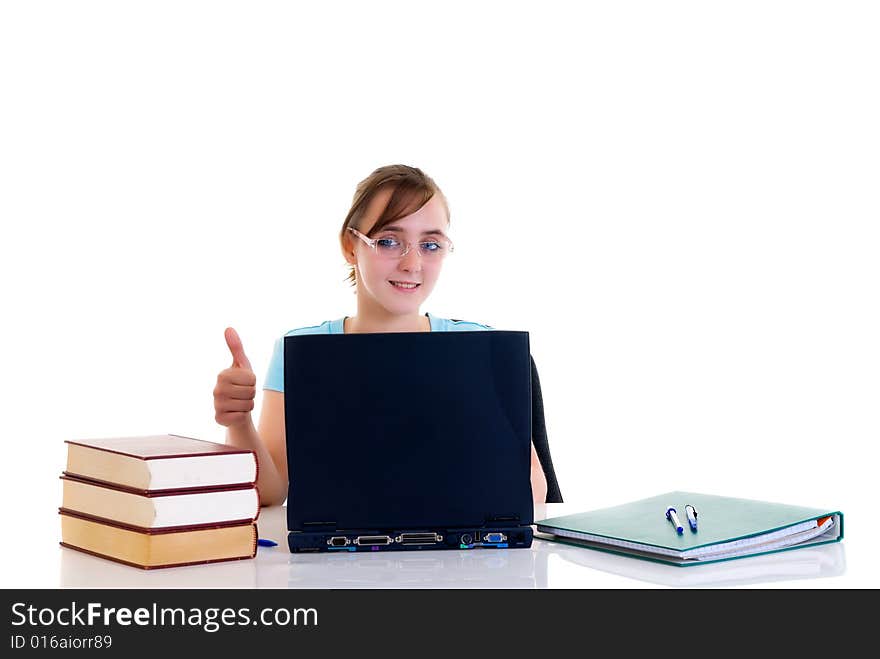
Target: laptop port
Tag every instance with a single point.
(338, 541)
(494, 537)
(373, 540)
(467, 539)
(419, 538)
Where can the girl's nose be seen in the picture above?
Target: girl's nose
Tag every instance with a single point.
(412, 260)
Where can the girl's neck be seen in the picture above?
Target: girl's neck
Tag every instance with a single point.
(373, 317)
(365, 322)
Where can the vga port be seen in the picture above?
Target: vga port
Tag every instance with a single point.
(495, 537)
(338, 541)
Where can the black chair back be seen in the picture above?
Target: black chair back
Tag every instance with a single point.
(539, 438)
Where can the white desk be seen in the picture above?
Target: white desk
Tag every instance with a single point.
(544, 565)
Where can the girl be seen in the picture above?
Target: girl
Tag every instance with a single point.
(394, 240)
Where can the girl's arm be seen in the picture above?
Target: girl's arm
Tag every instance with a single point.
(539, 480)
(275, 439)
(269, 445)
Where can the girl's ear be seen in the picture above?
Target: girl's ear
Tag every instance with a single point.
(348, 248)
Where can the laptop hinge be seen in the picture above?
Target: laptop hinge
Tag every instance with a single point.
(319, 526)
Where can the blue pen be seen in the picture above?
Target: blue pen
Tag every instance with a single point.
(691, 513)
(672, 516)
(266, 543)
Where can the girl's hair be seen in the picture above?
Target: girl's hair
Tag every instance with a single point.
(411, 189)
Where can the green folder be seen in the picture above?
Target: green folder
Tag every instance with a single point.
(727, 528)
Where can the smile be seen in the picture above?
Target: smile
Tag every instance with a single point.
(404, 285)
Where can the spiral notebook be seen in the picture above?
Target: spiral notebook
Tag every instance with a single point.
(727, 528)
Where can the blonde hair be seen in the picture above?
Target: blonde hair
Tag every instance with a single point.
(411, 189)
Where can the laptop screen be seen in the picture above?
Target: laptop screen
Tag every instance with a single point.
(408, 430)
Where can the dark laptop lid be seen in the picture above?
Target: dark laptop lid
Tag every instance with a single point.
(408, 430)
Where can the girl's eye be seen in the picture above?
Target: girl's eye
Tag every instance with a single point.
(387, 243)
(431, 247)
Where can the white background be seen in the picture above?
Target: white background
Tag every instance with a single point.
(678, 200)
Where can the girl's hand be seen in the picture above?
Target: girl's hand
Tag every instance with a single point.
(236, 386)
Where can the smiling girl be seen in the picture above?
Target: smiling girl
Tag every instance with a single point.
(395, 241)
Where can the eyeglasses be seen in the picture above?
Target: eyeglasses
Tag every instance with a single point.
(390, 247)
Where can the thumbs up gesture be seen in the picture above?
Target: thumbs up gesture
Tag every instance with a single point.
(236, 386)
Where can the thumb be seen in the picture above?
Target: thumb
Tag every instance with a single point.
(234, 342)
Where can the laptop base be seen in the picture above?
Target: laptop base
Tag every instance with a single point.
(393, 540)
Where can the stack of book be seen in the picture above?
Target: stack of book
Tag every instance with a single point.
(159, 500)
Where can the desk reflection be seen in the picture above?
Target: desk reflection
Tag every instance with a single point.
(437, 569)
(806, 563)
(79, 570)
(482, 568)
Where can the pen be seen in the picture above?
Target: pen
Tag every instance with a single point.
(672, 516)
(266, 543)
(691, 513)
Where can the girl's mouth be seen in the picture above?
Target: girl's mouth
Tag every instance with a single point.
(404, 286)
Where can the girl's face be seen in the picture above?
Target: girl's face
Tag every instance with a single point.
(400, 285)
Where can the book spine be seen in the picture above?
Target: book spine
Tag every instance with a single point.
(259, 508)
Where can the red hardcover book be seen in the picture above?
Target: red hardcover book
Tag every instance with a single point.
(156, 463)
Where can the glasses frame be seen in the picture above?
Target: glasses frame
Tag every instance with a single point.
(407, 246)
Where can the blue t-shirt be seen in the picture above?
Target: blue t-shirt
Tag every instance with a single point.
(275, 374)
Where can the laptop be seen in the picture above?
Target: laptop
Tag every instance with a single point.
(408, 441)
